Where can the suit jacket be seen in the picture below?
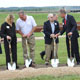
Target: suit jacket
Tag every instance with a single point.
(48, 31)
(71, 26)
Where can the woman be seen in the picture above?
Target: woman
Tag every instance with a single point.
(10, 41)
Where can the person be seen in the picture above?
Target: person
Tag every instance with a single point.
(8, 32)
(26, 26)
(50, 29)
(42, 54)
(70, 27)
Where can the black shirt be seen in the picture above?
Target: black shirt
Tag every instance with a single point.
(7, 30)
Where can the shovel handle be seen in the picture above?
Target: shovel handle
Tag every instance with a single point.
(54, 46)
(69, 37)
(9, 41)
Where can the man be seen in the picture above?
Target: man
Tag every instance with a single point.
(70, 27)
(42, 54)
(51, 27)
(26, 26)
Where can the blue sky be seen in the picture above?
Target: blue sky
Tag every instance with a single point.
(40, 3)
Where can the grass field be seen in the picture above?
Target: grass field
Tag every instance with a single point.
(62, 52)
(70, 77)
(40, 18)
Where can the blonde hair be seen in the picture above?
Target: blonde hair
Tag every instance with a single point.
(9, 18)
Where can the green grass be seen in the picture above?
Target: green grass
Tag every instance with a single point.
(40, 18)
(40, 46)
(45, 77)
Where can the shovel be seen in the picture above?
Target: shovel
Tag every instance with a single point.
(28, 62)
(9, 41)
(13, 67)
(9, 65)
(71, 60)
(54, 62)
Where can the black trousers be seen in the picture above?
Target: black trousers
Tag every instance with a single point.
(74, 48)
(0, 49)
(13, 50)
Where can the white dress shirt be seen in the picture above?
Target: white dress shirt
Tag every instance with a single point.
(53, 27)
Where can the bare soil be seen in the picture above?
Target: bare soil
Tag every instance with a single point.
(38, 70)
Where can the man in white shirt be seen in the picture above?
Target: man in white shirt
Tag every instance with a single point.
(26, 26)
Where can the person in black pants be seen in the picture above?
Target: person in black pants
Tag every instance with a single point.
(70, 27)
(8, 32)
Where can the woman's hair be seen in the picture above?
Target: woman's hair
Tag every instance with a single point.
(9, 18)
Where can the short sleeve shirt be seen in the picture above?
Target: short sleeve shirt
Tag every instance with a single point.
(25, 26)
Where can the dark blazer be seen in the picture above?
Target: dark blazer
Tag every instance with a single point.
(6, 29)
(71, 26)
(48, 31)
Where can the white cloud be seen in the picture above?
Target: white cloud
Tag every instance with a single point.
(25, 3)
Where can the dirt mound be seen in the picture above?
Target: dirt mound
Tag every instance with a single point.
(30, 72)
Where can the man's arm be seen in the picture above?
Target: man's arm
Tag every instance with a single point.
(33, 29)
(18, 31)
(61, 32)
(30, 33)
(34, 25)
(74, 25)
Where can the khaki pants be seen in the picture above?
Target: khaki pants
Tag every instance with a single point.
(51, 47)
(31, 43)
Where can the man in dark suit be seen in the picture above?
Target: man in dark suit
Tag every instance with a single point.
(51, 27)
(70, 27)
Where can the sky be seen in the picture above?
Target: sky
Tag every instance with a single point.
(38, 3)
